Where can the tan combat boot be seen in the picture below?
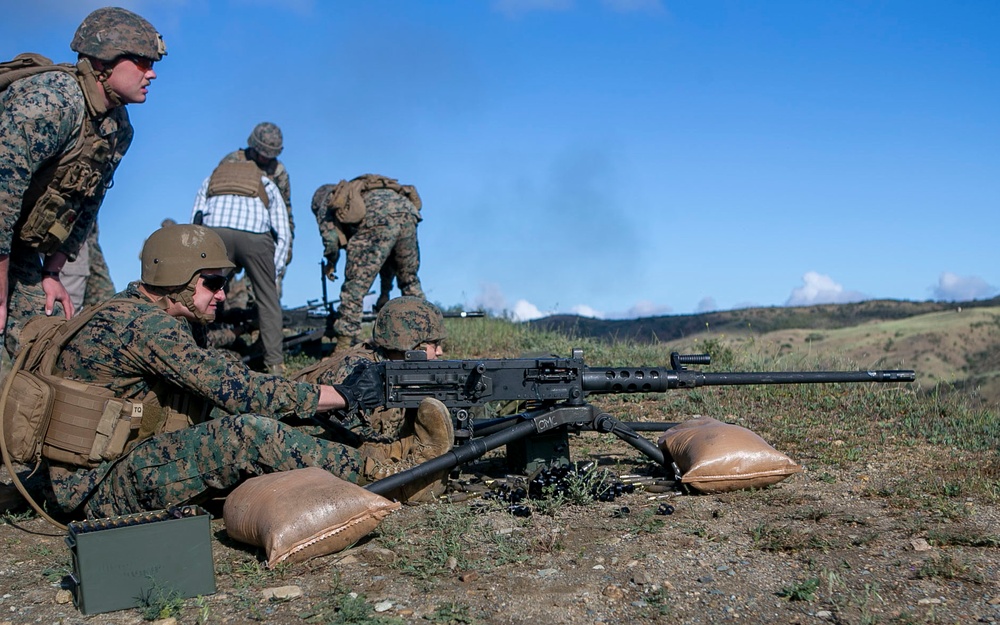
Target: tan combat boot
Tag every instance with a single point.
(278, 369)
(424, 437)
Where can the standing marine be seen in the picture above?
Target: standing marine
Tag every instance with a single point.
(63, 130)
(374, 218)
(264, 145)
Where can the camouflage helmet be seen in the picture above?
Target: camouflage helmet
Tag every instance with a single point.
(406, 322)
(108, 33)
(266, 139)
(172, 255)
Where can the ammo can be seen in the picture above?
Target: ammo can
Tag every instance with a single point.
(139, 559)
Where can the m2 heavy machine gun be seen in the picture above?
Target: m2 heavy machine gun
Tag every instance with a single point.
(554, 392)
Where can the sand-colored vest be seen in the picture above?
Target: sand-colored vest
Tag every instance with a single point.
(57, 191)
(238, 178)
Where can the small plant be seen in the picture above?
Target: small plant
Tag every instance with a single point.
(451, 614)
(160, 603)
(55, 574)
(204, 610)
(659, 602)
(443, 543)
(14, 518)
(801, 591)
(811, 514)
(947, 567)
(961, 537)
(784, 538)
(339, 608)
(40, 550)
(646, 522)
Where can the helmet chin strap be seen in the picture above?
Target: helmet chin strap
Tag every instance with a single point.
(185, 296)
(102, 76)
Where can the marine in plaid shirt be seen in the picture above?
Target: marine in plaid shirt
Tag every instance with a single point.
(246, 209)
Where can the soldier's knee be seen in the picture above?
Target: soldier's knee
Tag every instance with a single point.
(252, 427)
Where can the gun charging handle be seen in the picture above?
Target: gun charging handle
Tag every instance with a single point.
(677, 361)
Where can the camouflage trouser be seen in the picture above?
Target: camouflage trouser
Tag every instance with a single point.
(367, 252)
(25, 297)
(87, 278)
(190, 465)
(100, 288)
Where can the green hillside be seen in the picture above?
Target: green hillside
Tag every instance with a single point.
(949, 345)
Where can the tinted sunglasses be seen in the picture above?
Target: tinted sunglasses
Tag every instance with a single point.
(141, 62)
(214, 282)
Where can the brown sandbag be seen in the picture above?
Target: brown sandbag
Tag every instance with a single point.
(301, 514)
(715, 457)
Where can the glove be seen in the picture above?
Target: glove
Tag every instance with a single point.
(364, 389)
(330, 266)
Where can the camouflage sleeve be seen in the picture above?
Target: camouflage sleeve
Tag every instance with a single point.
(324, 219)
(88, 213)
(339, 372)
(235, 156)
(171, 352)
(40, 117)
(285, 186)
(154, 345)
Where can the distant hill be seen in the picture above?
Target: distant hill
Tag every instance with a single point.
(748, 320)
(949, 345)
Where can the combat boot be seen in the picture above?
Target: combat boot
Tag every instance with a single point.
(424, 436)
(278, 369)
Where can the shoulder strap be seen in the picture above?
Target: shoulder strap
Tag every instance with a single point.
(24, 65)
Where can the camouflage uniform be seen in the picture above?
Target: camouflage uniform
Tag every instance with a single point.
(388, 228)
(88, 278)
(381, 424)
(405, 323)
(100, 287)
(40, 119)
(133, 345)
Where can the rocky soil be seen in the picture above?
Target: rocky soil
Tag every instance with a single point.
(828, 545)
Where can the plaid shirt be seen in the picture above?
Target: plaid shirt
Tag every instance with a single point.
(249, 215)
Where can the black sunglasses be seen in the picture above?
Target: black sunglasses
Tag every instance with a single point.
(214, 282)
(142, 63)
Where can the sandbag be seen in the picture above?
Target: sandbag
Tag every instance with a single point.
(715, 457)
(302, 514)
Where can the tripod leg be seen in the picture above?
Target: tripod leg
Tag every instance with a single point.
(606, 423)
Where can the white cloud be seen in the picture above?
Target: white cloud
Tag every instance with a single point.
(707, 304)
(821, 289)
(954, 288)
(586, 311)
(642, 308)
(526, 311)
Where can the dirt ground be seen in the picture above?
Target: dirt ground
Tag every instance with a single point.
(826, 545)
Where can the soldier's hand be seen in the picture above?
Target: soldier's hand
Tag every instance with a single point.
(56, 292)
(364, 389)
(330, 265)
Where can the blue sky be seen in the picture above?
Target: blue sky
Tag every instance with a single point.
(615, 158)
